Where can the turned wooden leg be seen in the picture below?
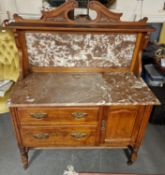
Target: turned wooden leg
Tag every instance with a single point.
(24, 156)
(133, 156)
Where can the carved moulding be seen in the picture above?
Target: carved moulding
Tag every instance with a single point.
(60, 15)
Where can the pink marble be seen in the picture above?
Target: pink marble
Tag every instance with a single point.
(80, 50)
(81, 89)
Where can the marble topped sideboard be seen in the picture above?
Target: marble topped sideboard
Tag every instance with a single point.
(101, 110)
(80, 82)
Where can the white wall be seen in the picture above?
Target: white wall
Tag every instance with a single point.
(26, 8)
(29, 6)
(130, 8)
(150, 8)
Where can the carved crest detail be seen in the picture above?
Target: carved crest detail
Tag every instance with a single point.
(60, 15)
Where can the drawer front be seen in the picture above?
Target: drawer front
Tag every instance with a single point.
(45, 116)
(58, 136)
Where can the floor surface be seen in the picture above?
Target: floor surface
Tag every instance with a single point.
(151, 158)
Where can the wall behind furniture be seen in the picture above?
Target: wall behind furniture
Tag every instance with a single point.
(26, 8)
(132, 9)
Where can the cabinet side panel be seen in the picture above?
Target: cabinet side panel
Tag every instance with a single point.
(143, 125)
(15, 122)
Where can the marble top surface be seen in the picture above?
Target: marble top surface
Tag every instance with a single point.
(81, 89)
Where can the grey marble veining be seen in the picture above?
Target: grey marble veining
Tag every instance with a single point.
(81, 89)
(80, 49)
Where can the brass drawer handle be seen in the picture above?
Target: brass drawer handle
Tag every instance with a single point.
(79, 115)
(39, 115)
(79, 135)
(41, 136)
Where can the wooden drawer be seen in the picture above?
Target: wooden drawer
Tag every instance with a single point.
(45, 116)
(58, 136)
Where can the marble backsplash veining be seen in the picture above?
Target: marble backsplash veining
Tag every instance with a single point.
(80, 49)
(82, 89)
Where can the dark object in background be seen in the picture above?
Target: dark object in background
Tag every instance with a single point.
(107, 3)
(158, 113)
(149, 53)
(55, 3)
(160, 59)
(82, 3)
(152, 76)
(155, 35)
(153, 54)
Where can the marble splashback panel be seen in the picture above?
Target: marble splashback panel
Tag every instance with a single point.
(80, 49)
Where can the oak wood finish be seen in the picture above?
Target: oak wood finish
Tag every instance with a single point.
(75, 69)
(122, 124)
(119, 126)
(143, 124)
(51, 116)
(58, 136)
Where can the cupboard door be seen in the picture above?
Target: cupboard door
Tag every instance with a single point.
(122, 125)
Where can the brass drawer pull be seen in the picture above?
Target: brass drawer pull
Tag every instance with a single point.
(79, 135)
(79, 115)
(39, 115)
(41, 136)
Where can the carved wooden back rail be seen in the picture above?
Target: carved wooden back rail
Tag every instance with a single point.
(55, 30)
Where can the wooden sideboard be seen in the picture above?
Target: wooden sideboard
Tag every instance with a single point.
(80, 82)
